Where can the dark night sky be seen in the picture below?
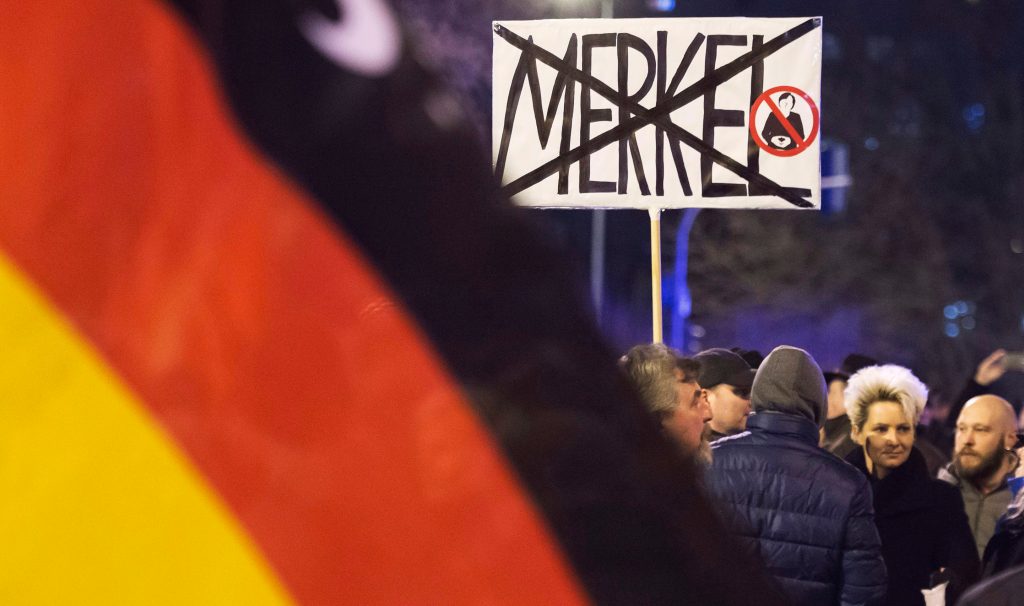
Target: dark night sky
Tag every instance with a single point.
(926, 96)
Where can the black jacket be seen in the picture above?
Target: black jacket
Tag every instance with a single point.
(803, 511)
(923, 528)
(1005, 589)
(1006, 548)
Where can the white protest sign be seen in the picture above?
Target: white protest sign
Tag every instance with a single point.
(658, 113)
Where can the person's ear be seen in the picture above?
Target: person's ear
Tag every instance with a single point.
(1009, 440)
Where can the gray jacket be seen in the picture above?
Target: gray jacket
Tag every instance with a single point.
(983, 510)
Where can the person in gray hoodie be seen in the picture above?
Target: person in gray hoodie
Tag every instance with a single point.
(807, 514)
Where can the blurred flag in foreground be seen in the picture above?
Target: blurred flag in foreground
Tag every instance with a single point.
(270, 335)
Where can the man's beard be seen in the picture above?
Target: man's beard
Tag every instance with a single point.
(703, 454)
(985, 468)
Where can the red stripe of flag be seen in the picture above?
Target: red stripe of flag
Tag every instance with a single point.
(253, 331)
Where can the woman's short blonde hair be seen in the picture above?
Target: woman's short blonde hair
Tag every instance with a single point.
(887, 383)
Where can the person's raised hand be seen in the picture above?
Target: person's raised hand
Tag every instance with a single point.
(991, 369)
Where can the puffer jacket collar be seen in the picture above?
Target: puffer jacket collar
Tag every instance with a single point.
(781, 423)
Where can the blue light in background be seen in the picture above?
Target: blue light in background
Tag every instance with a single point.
(662, 5)
(831, 49)
(835, 177)
(974, 116)
(959, 318)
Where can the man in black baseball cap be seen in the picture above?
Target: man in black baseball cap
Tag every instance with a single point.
(837, 438)
(727, 378)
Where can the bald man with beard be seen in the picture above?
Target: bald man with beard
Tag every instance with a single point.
(983, 457)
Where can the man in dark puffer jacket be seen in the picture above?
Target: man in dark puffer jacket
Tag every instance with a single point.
(807, 514)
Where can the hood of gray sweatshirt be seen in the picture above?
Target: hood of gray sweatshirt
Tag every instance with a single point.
(789, 381)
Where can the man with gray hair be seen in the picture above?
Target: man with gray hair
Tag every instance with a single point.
(807, 514)
(667, 383)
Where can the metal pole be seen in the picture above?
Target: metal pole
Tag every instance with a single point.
(597, 245)
(598, 225)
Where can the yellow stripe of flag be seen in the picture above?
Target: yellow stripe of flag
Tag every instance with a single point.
(97, 504)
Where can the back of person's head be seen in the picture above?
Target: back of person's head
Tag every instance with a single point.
(887, 383)
(751, 356)
(851, 364)
(651, 367)
(790, 381)
(721, 366)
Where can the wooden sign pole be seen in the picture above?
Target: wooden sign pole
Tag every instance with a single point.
(656, 275)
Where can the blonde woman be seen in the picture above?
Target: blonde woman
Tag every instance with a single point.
(920, 520)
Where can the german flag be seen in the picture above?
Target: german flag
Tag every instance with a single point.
(270, 334)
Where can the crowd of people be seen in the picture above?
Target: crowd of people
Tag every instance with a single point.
(828, 480)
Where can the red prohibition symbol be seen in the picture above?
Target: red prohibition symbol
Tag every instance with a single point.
(781, 127)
